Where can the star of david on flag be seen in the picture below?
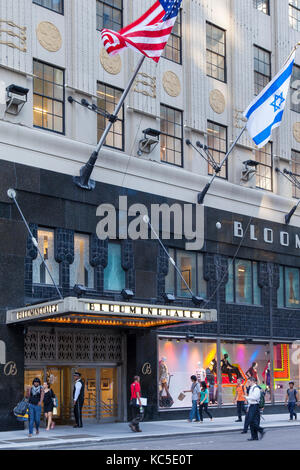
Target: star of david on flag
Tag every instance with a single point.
(266, 110)
(148, 34)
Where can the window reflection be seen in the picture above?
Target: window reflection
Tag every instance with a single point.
(114, 274)
(81, 272)
(40, 274)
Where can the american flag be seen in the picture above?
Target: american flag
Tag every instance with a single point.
(148, 34)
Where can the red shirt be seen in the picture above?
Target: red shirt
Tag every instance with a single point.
(135, 388)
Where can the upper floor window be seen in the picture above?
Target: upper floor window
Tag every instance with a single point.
(171, 135)
(262, 5)
(191, 267)
(40, 274)
(295, 82)
(242, 286)
(108, 99)
(48, 97)
(215, 52)
(264, 171)
(288, 294)
(296, 171)
(114, 274)
(81, 272)
(55, 5)
(262, 69)
(294, 14)
(217, 143)
(109, 14)
(173, 49)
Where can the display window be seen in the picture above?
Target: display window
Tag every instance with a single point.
(286, 369)
(178, 361)
(243, 361)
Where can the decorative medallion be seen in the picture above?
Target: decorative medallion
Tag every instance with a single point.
(171, 84)
(296, 131)
(111, 64)
(49, 36)
(217, 101)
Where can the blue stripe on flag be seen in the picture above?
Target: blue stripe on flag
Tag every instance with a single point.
(259, 138)
(273, 88)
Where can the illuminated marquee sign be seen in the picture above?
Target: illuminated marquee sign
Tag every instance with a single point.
(149, 311)
(71, 306)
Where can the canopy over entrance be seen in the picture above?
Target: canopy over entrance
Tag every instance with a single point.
(72, 310)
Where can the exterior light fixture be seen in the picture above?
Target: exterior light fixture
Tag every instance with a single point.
(169, 298)
(127, 294)
(79, 290)
(16, 98)
(197, 300)
(149, 142)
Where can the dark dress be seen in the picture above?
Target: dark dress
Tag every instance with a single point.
(48, 401)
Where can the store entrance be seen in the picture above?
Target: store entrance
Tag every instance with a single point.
(101, 402)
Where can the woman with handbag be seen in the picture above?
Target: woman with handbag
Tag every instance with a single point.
(135, 404)
(36, 397)
(49, 403)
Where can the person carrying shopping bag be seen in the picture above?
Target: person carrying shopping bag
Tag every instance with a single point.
(204, 400)
(196, 391)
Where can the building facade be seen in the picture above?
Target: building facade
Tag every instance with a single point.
(246, 264)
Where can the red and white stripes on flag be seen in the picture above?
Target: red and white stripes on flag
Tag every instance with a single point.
(149, 34)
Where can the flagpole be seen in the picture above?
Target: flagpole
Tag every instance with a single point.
(203, 193)
(83, 181)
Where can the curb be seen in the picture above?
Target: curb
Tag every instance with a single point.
(89, 441)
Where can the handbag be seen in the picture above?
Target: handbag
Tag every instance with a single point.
(21, 408)
(181, 396)
(54, 411)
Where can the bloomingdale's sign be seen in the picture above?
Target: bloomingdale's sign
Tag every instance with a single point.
(267, 235)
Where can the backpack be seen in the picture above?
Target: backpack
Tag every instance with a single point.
(21, 408)
(261, 403)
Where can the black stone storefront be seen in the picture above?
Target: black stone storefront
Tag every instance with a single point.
(49, 199)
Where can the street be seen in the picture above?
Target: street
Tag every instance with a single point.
(275, 439)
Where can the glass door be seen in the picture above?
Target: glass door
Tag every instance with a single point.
(108, 396)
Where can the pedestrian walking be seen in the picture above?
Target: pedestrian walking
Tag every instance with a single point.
(48, 401)
(78, 399)
(239, 399)
(254, 411)
(291, 400)
(204, 400)
(196, 392)
(135, 404)
(35, 399)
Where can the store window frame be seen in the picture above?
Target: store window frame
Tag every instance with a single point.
(174, 137)
(169, 45)
(210, 51)
(61, 12)
(112, 132)
(119, 243)
(176, 277)
(232, 265)
(266, 78)
(262, 5)
(38, 258)
(214, 150)
(294, 14)
(114, 8)
(43, 96)
(283, 287)
(263, 153)
(87, 237)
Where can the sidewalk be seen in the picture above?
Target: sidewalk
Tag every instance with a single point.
(109, 432)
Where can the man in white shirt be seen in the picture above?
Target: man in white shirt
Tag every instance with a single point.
(78, 399)
(253, 399)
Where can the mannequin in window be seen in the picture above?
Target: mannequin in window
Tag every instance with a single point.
(165, 398)
(227, 368)
(252, 371)
(210, 377)
(200, 373)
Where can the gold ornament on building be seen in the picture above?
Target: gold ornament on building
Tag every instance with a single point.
(217, 101)
(171, 84)
(111, 64)
(13, 35)
(296, 131)
(49, 36)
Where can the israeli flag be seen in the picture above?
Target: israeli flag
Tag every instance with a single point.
(266, 110)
